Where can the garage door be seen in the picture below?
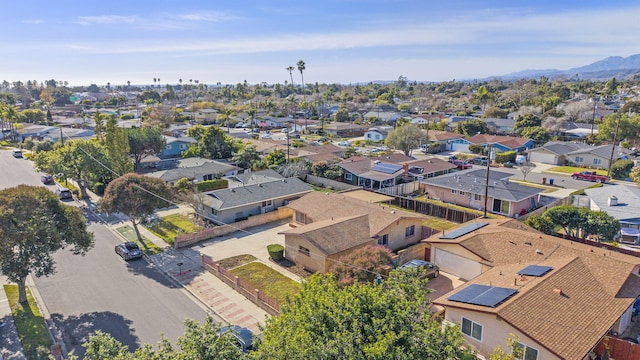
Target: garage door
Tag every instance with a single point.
(542, 157)
(457, 265)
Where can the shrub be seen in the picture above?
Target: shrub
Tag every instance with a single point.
(476, 149)
(209, 185)
(98, 188)
(507, 156)
(276, 251)
(621, 169)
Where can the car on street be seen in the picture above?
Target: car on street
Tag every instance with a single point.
(590, 176)
(243, 336)
(17, 153)
(128, 250)
(431, 270)
(480, 160)
(344, 143)
(47, 179)
(64, 193)
(460, 164)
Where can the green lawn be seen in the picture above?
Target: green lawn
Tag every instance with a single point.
(267, 280)
(574, 169)
(32, 330)
(439, 224)
(235, 261)
(129, 233)
(170, 226)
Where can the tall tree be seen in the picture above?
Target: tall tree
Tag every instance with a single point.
(406, 138)
(34, 225)
(117, 144)
(144, 142)
(391, 320)
(213, 143)
(471, 127)
(362, 265)
(290, 70)
(247, 157)
(301, 67)
(136, 196)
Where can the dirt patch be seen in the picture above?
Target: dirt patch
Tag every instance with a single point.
(236, 261)
(292, 267)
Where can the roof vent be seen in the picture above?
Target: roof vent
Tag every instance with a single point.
(538, 251)
(612, 200)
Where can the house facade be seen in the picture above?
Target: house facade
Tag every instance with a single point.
(378, 133)
(176, 146)
(371, 173)
(193, 169)
(467, 188)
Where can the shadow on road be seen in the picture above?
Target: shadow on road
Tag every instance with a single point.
(76, 329)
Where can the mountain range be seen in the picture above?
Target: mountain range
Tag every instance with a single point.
(605, 69)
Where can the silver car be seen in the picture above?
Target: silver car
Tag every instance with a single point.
(431, 270)
(128, 250)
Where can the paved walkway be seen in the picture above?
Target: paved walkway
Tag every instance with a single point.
(10, 346)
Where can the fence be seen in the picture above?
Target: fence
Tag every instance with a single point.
(439, 211)
(401, 189)
(324, 182)
(600, 245)
(243, 287)
(618, 349)
(563, 201)
(281, 214)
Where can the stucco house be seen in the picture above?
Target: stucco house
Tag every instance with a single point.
(175, 146)
(207, 116)
(446, 138)
(500, 126)
(554, 295)
(319, 245)
(621, 202)
(393, 228)
(578, 154)
(373, 173)
(467, 188)
(252, 194)
(378, 133)
(340, 129)
(194, 169)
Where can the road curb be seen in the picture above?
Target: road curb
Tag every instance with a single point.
(54, 332)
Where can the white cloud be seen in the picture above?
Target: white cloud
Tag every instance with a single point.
(33, 21)
(206, 16)
(106, 19)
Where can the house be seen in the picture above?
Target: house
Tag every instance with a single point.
(559, 298)
(175, 146)
(277, 122)
(35, 131)
(373, 173)
(194, 169)
(382, 116)
(467, 188)
(326, 152)
(619, 201)
(206, 116)
(264, 192)
(69, 134)
(340, 129)
(501, 143)
(500, 126)
(426, 168)
(446, 139)
(579, 154)
(453, 120)
(395, 229)
(319, 245)
(378, 133)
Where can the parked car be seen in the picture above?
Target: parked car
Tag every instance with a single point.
(462, 165)
(64, 193)
(431, 270)
(344, 143)
(243, 336)
(17, 153)
(128, 250)
(480, 160)
(47, 179)
(590, 176)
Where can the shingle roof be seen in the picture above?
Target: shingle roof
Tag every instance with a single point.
(252, 178)
(561, 147)
(333, 236)
(628, 201)
(193, 168)
(597, 286)
(603, 151)
(474, 181)
(443, 135)
(430, 165)
(244, 195)
(509, 141)
(322, 206)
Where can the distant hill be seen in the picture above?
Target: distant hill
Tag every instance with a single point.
(613, 66)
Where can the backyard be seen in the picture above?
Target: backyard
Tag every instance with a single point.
(168, 227)
(268, 281)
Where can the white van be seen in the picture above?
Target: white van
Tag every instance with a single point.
(17, 153)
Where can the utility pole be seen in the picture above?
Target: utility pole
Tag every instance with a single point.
(486, 184)
(613, 146)
(593, 118)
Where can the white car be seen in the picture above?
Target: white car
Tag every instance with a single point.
(344, 143)
(266, 136)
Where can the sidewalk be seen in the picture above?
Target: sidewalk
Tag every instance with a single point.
(10, 346)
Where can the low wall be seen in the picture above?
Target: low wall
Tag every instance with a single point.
(242, 287)
(282, 214)
(564, 201)
(401, 189)
(412, 252)
(336, 185)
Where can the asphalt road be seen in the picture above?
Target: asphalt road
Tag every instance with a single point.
(132, 301)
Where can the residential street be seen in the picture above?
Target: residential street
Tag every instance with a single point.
(133, 301)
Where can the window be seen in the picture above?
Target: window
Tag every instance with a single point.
(471, 328)
(267, 203)
(597, 162)
(528, 353)
(168, 147)
(384, 240)
(454, 191)
(348, 176)
(301, 218)
(477, 197)
(409, 231)
(214, 212)
(579, 159)
(303, 250)
(462, 193)
(183, 146)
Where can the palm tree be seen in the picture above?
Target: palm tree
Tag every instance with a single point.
(128, 84)
(154, 81)
(301, 68)
(290, 70)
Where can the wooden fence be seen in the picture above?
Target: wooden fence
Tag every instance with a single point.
(243, 287)
(600, 245)
(439, 211)
(618, 349)
(401, 189)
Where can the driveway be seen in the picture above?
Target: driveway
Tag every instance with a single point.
(442, 285)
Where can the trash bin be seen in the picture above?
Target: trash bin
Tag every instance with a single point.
(551, 181)
(544, 181)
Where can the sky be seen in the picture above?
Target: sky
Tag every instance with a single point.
(340, 41)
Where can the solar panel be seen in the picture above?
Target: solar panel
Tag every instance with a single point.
(535, 270)
(489, 296)
(386, 168)
(463, 230)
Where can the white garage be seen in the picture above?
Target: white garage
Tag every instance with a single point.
(456, 265)
(544, 157)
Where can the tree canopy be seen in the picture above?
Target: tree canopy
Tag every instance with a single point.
(471, 127)
(212, 143)
(143, 142)
(406, 138)
(391, 320)
(34, 224)
(362, 265)
(573, 220)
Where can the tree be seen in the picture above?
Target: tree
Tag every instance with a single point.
(471, 127)
(566, 216)
(301, 67)
(246, 157)
(117, 144)
(536, 133)
(482, 96)
(599, 223)
(212, 143)
(513, 343)
(526, 168)
(342, 115)
(406, 138)
(290, 70)
(541, 223)
(629, 127)
(34, 225)
(362, 265)
(526, 121)
(621, 169)
(136, 196)
(143, 142)
(391, 320)
(275, 158)
(635, 175)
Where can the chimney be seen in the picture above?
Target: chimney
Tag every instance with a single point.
(558, 291)
(612, 200)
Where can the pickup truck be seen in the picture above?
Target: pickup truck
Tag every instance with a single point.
(590, 176)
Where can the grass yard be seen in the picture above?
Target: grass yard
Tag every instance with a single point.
(461, 208)
(170, 226)
(235, 261)
(267, 280)
(439, 224)
(574, 169)
(129, 233)
(32, 330)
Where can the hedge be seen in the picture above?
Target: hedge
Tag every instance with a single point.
(507, 156)
(276, 251)
(209, 185)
